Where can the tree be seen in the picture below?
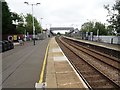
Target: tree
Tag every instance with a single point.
(101, 27)
(58, 34)
(87, 27)
(114, 16)
(9, 17)
(19, 22)
(20, 29)
(16, 18)
(93, 27)
(6, 19)
(29, 25)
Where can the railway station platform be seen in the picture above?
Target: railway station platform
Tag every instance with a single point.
(100, 44)
(59, 72)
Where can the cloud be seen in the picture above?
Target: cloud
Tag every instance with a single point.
(64, 12)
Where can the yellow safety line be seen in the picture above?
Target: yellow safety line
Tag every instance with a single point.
(43, 67)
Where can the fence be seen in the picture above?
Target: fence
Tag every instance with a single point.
(107, 39)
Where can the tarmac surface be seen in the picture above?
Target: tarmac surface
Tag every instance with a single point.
(22, 65)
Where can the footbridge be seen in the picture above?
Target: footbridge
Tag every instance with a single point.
(68, 29)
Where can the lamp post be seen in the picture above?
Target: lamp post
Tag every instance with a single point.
(24, 22)
(32, 20)
(41, 21)
(98, 34)
(41, 24)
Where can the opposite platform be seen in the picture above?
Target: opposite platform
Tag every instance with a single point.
(60, 73)
(100, 44)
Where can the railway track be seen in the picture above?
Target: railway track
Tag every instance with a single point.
(98, 70)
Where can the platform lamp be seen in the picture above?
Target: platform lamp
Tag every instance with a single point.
(33, 20)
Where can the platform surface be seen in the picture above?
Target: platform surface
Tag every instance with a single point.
(105, 45)
(60, 73)
(22, 65)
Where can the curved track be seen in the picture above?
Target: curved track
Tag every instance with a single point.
(98, 70)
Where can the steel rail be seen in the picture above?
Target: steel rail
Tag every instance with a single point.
(68, 46)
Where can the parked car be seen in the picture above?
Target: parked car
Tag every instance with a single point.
(0, 46)
(8, 44)
(3, 46)
(11, 44)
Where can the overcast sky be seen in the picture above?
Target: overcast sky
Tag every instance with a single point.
(63, 12)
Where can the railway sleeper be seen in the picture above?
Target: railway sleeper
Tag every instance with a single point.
(89, 72)
(107, 87)
(80, 64)
(101, 57)
(101, 84)
(82, 67)
(104, 51)
(108, 84)
(91, 49)
(96, 81)
(93, 77)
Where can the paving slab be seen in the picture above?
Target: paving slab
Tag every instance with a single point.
(60, 73)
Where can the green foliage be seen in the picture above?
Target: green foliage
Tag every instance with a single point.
(6, 19)
(58, 33)
(9, 28)
(20, 29)
(17, 18)
(38, 28)
(93, 27)
(101, 27)
(87, 27)
(114, 18)
(110, 30)
(29, 23)
(29, 26)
